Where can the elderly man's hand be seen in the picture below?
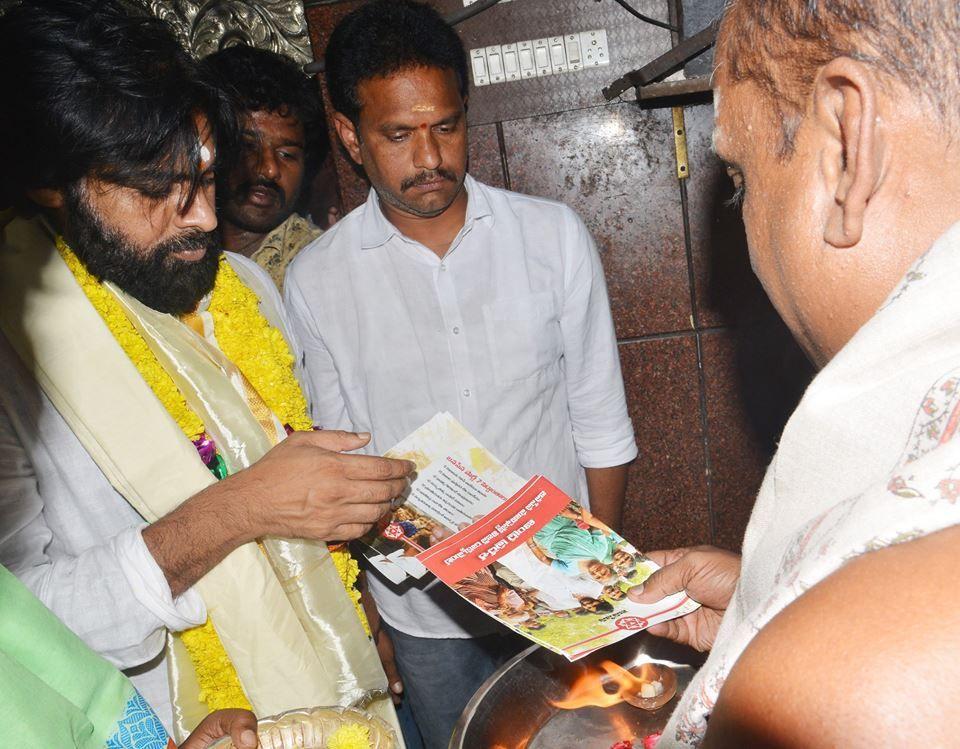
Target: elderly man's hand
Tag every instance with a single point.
(306, 487)
(708, 575)
(239, 725)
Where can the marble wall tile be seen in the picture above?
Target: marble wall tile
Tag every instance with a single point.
(667, 496)
(486, 162)
(615, 166)
(727, 291)
(754, 377)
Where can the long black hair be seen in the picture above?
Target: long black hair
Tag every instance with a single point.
(93, 88)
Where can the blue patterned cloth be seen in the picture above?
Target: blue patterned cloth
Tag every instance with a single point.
(139, 728)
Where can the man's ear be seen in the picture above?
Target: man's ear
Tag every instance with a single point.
(46, 197)
(845, 106)
(347, 132)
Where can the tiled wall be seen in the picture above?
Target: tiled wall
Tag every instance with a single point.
(711, 373)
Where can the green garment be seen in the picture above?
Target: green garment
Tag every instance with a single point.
(563, 540)
(56, 692)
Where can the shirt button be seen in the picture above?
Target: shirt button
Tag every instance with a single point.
(466, 392)
(443, 266)
(456, 330)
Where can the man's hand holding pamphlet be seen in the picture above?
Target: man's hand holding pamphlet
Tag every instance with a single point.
(520, 550)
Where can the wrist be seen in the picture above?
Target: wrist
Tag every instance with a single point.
(232, 499)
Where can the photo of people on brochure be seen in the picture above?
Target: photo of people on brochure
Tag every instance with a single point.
(524, 553)
(458, 481)
(545, 567)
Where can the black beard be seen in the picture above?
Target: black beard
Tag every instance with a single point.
(154, 276)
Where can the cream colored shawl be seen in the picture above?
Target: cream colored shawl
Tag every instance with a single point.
(868, 459)
(286, 622)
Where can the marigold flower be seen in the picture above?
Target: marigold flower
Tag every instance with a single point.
(350, 736)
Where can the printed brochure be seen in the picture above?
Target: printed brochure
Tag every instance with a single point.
(521, 551)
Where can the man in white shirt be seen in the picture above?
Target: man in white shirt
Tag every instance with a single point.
(444, 294)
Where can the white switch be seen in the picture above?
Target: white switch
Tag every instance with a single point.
(495, 64)
(594, 48)
(527, 67)
(500, 63)
(541, 56)
(558, 58)
(511, 62)
(573, 51)
(478, 62)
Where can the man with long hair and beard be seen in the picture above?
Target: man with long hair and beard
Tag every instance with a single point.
(148, 387)
(164, 277)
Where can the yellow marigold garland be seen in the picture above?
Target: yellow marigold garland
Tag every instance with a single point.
(257, 348)
(350, 736)
(133, 345)
(261, 353)
(349, 571)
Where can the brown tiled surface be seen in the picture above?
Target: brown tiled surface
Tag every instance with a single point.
(321, 21)
(354, 187)
(667, 496)
(631, 44)
(484, 151)
(615, 166)
(754, 377)
(727, 291)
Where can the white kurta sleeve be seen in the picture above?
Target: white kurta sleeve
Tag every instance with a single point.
(602, 430)
(112, 594)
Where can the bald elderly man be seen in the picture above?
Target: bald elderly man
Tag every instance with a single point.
(840, 627)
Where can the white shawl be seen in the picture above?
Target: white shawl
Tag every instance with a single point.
(287, 653)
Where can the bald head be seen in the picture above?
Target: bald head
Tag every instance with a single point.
(780, 45)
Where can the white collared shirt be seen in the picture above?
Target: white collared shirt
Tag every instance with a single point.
(510, 332)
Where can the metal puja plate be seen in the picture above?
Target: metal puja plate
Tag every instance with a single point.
(512, 710)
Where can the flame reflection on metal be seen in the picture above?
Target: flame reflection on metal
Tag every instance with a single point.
(513, 708)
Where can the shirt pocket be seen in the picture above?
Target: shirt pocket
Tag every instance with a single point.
(523, 335)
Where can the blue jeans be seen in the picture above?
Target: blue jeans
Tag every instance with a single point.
(441, 675)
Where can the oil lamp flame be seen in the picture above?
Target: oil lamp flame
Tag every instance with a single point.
(650, 688)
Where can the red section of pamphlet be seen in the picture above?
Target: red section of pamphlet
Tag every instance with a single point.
(496, 534)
